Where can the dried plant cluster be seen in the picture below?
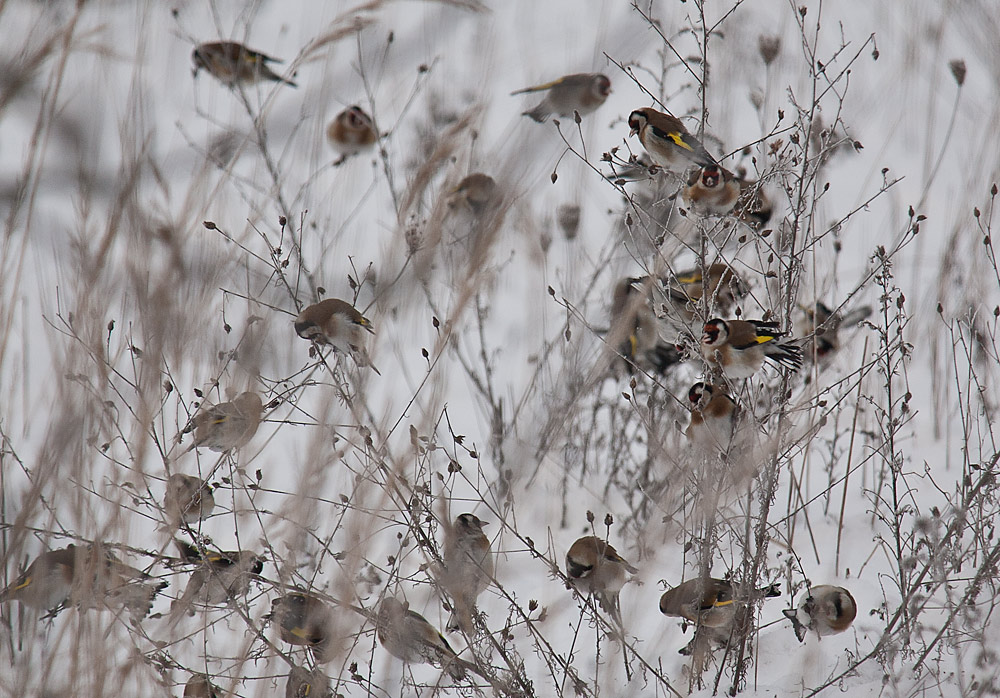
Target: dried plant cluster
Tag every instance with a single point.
(637, 351)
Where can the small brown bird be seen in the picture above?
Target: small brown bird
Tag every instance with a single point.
(714, 418)
(468, 569)
(338, 324)
(635, 328)
(232, 63)
(739, 347)
(825, 609)
(683, 293)
(595, 567)
(198, 686)
(715, 191)
(89, 577)
(351, 131)
(407, 635)
(228, 425)
(667, 140)
(820, 327)
(303, 619)
(580, 92)
(303, 683)
(709, 603)
(476, 193)
(188, 500)
(218, 578)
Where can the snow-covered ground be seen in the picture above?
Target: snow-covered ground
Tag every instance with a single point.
(119, 303)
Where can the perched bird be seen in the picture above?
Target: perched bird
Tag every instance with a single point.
(228, 425)
(476, 193)
(188, 500)
(218, 578)
(667, 140)
(635, 329)
(232, 63)
(468, 569)
(825, 609)
(338, 324)
(714, 417)
(580, 92)
(89, 577)
(198, 686)
(303, 683)
(595, 567)
(739, 347)
(407, 635)
(820, 327)
(303, 619)
(709, 604)
(720, 284)
(716, 191)
(351, 131)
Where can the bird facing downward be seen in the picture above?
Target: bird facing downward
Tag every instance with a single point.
(303, 619)
(188, 500)
(595, 567)
(468, 569)
(407, 635)
(477, 192)
(739, 347)
(716, 191)
(714, 418)
(581, 92)
(667, 140)
(219, 577)
(232, 63)
(824, 609)
(338, 324)
(351, 131)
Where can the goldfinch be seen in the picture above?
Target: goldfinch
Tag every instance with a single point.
(338, 324)
(476, 193)
(667, 140)
(582, 93)
(228, 425)
(232, 63)
(407, 635)
(198, 686)
(351, 131)
(188, 500)
(468, 569)
(303, 683)
(635, 329)
(820, 327)
(218, 578)
(306, 620)
(739, 347)
(716, 191)
(710, 604)
(714, 418)
(89, 577)
(595, 567)
(720, 284)
(824, 609)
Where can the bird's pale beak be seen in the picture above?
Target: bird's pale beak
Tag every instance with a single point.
(633, 131)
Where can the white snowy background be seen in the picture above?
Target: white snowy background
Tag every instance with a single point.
(109, 164)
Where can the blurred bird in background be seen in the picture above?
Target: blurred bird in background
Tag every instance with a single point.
(468, 569)
(232, 63)
(581, 92)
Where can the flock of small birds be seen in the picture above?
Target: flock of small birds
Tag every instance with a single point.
(651, 321)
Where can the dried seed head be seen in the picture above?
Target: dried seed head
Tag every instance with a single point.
(958, 70)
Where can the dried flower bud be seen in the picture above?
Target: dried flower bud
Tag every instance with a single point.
(769, 47)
